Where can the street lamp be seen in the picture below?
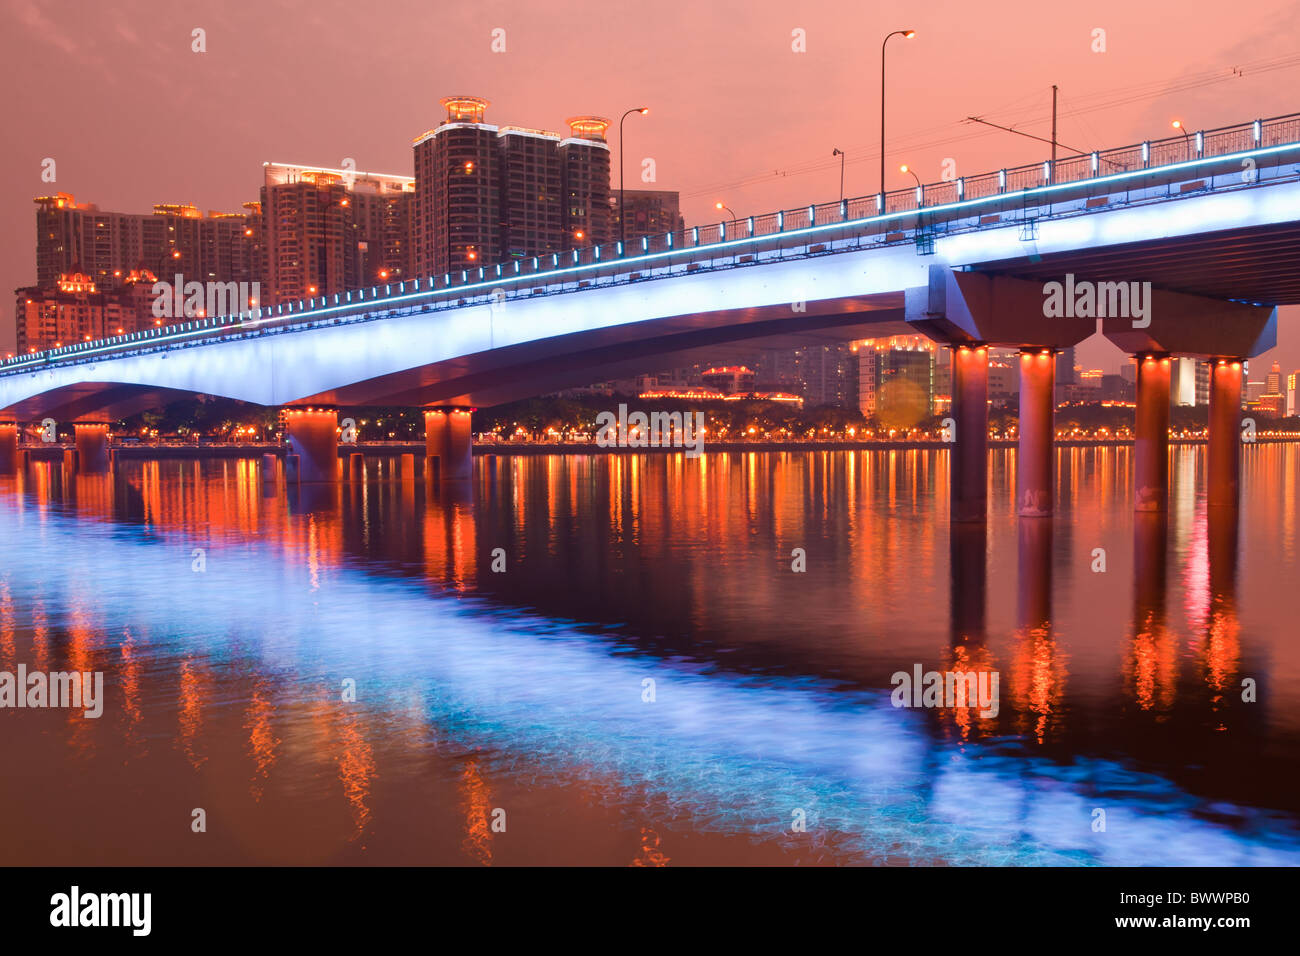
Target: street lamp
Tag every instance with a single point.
(907, 35)
(840, 153)
(1178, 125)
(908, 169)
(622, 210)
(721, 205)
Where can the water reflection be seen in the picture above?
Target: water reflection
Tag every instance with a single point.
(1221, 650)
(1038, 667)
(500, 636)
(1153, 655)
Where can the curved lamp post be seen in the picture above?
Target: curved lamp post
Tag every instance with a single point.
(622, 210)
(906, 34)
(840, 153)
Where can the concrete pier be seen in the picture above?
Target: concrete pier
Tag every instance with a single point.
(1224, 453)
(447, 438)
(314, 439)
(92, 447)
(970, 412)
(9, 457)
(1151, 433)
(1036, 450)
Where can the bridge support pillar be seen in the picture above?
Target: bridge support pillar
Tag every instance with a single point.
(968, 483)
(447, 438)
(1035, 455)
(1223, 455)
(1151, 434)
(92, 447)
(9, 458)
(314, 439)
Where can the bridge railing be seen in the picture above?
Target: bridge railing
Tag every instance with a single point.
(880, 214)
(1072, 169)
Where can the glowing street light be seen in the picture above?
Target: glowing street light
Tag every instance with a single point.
(906, 35)
(622, 208)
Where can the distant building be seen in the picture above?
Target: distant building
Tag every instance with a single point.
(650, 212)
(1273, 381)
(486, 194)
(1292, 388)
(1182, 382)
(702, 393)
(943, 381)
(1004, 374)
(729, 379)
(1117, 388)
(1273, 406)
(828, 375)
(896, 380)
(1085, 388)
(331, 230)
(822, 375)
(74, 309)
(1065, 371)
(1274, 398)
(107, 247)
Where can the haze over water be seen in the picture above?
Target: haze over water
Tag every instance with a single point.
(524, 690)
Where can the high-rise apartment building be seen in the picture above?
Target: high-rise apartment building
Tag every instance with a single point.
(1182, 381)
(532, 194)
(1273, 381)
(107, 247)
(1003, 375)
(584, 158)
(486, 194)
(1065, 373)
(330, 230)
(896, 379)
(74, 309)
(457, 221)
(650, 212)
(828, 375)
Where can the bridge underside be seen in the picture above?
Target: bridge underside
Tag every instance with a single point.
(1258, 264)
(92, 402)
(504, 375)
(495, 376)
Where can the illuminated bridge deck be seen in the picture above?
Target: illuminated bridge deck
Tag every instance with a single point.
(1215, 214)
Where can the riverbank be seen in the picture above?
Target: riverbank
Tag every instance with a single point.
(166, 452)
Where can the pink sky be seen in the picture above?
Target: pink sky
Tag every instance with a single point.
(132, 116)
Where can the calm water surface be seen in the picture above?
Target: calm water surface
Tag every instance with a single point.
(227, 616)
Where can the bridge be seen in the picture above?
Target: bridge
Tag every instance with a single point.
(1210, 221)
